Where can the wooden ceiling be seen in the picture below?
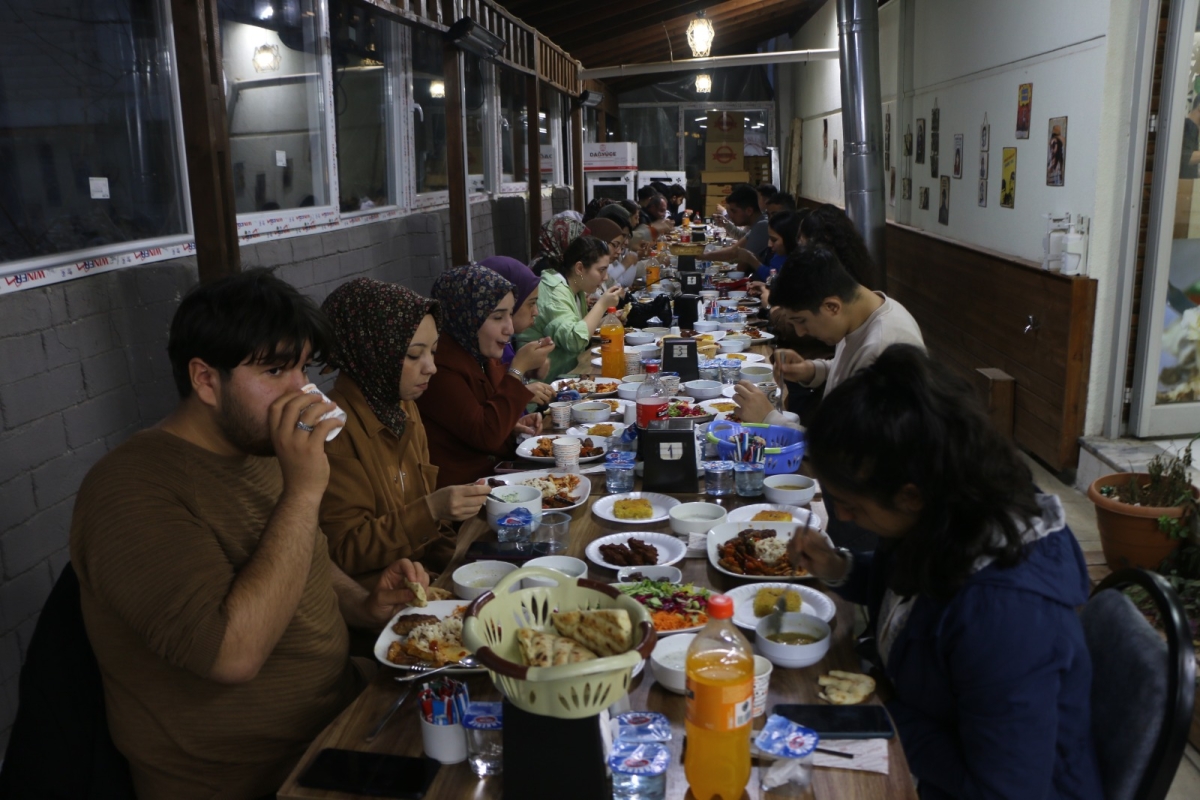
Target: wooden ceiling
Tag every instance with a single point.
(632, 31)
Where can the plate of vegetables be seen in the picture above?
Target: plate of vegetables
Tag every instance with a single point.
(673, 607)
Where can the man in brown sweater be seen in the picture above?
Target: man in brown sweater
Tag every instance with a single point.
(218, 621)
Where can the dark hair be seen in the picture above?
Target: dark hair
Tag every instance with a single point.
(743, 196)
(249, 316)
(782, 199)
(585, 249)
(646, 192)
(810, 275)
(767, 189)
(593, 207)
(630, 206)
(828, 225)
(676, 191)
(787, 225)
(908, 420)
(659, 187)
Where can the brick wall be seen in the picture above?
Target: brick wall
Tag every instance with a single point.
(83, 365)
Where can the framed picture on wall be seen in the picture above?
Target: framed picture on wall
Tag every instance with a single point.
(1008, 177)
(906, 188)
(1024, 109)
(908, 142)
(944, 200)
(935, 121)
(985, 136)
(983, 166)
(1056, 152)
(920, 141)
(923, 198)
(958, 155)
(983, 194)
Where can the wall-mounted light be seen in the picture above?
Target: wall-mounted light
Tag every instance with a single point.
(469, 35)
(437, 89)
(266, 58)
(700, 35)
(703, 83)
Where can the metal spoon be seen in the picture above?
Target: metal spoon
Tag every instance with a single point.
(775, 619)
(420, 671)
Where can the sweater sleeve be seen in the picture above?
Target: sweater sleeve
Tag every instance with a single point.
(450, 404)
(563, 325)
(821, 367)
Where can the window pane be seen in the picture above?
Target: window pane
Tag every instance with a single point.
(429, 111)
(514, 125)
(363, 50)
(475, 100)
(88, 149)
(656, 132)
(270, 50)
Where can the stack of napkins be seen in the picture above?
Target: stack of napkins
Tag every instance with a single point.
(870, 755)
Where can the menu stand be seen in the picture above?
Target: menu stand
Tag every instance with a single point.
(547, 757)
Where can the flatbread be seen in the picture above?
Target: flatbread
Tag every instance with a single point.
(418, 594)
(846, 688)
(569, 651)
(437, 593)
(537, 648)
(604, 631)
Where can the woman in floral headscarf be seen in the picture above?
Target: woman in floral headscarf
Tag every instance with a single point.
(557, 234)
(475, 407)
(382, 502)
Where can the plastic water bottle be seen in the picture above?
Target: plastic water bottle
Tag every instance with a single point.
(639, 770)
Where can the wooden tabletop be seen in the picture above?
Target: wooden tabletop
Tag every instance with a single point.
(402, 735)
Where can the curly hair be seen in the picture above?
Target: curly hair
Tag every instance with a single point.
(593, 207)
(829, 226)
(908, 420)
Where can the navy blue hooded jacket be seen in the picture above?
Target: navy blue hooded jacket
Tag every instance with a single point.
(992, 687)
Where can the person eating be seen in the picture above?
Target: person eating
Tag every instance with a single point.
(563, 313)
(971, 591)
(383, 499)
(525, 295)
(556, 236)
(475, 406)
(742, 209)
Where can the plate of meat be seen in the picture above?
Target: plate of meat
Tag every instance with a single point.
(429, 635)
(637, 549)
(586, 384)
(756, 550)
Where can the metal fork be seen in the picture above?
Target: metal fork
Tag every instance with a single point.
(422, 671)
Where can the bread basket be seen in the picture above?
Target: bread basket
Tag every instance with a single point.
(570, 691)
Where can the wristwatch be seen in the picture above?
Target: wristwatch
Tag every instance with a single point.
(516, 373)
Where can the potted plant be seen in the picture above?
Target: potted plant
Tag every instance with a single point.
(1142, 516)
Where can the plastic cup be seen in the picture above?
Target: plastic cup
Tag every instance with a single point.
(553, 533)
(670, 383)
(749, 479)
(444, 743)
(762, 682)
(560, 414)
(718, 478)
(566, 454)
(337, 412)
(618, 477)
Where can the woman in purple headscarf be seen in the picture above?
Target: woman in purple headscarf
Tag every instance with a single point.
(525, 294)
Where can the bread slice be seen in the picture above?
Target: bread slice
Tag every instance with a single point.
(537, 648)
(604, 631)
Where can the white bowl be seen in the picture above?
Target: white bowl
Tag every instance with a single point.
(735, 276)
(472, 580)
(671, 574)
(794, 655)
(641, 376)
(646, 351)
(628, 391)
(728, 345)
(730, 303)
(696, 517)
(704, 326)
(656, 331)
(591, 411)
(731, 326)
(704, 390)
(756, 373)
(778, 489)
(571, 567)
(738, 295)
(740, 337)
(633, 338)
(668, 662)
(513, 497)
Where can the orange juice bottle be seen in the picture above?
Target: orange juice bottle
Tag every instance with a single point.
(612, 345)
(720, 698)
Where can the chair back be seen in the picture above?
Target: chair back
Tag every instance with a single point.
(1143, 686)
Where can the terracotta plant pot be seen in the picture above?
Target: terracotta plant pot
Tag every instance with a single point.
(1129, 534)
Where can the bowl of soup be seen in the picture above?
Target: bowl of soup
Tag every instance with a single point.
(668, 662)
(472, 580)
(802, 640)
(789, 490)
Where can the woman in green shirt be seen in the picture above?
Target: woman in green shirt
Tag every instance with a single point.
(563, 313)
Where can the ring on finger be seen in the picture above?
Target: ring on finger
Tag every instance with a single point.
(304, 426)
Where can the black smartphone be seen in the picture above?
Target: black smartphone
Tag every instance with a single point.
(841, 722)
(507, 551)
(374, 774)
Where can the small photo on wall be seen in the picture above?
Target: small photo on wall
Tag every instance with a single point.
(958, 155)
(983, 166)
(935, 121)
(983, 194)
(906, 188)
(1024, 109)
(923, 201)
(985, 137)
(1008, 177)
(920, 141)
(944, 200)
(1056, 152)
(908, 142)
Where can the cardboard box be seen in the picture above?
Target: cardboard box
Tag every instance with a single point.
(726, 126)
(724, 156)
(721, 176)
(721, 190)
(610, 156)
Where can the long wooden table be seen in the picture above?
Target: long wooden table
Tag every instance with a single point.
(402, 735)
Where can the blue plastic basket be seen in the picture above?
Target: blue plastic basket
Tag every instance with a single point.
(785, 446)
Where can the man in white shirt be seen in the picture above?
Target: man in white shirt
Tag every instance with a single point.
(818, 297)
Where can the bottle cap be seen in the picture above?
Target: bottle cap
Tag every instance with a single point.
(612, 309)
(720, 606)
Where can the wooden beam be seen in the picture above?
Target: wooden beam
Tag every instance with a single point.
(997, 390)
(578, 182)
(206, 137)
(533, 101)
(456, 157)
(614, 19)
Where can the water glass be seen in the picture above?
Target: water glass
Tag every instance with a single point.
(484, 725)
(553, 533)
(749, 478)
(618, 477)
(560, 415)
(731, 371)
(718, 478)
(670, 382)
(710, 370)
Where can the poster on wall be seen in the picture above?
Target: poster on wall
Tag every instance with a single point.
(958, 155)
(825, 138)
(983, 166)
(1056, 152)
(923, 198)
(983, 194)
(944, 200)
(892, 187)
(906, 188)
(933, 154)
(985, 136)
(935, 121)
(908, 142)
(1008, 177)
(920, 141)
(1024, 109)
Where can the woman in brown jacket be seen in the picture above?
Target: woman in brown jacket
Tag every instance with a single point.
(476, 406)
(382, 502)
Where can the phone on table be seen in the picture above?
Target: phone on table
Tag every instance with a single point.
(374, 774)
(840, 722)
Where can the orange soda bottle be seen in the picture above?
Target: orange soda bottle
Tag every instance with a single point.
(720, 699)
(612, 345)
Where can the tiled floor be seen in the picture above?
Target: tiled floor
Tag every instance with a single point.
(1082, 519)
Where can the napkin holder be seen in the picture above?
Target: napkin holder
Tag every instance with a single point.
(691, 282)
(680, 355)
(668, 451)
(686, 264)
(551, 757)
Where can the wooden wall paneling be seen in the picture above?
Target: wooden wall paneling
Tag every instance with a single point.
(456, 155)
(996, 388)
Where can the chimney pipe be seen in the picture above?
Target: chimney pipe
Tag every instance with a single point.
(862, 127)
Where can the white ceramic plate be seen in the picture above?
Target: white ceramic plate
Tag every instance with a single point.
(525, 448)
(762, 338)
(581, 493)
(728, 391)
(729, 530)
(438, 608)
(746, 513)
(564, 383)
(747, 358)
(812, 602)
(660, 504)
(707, 405)
(716, 336)
(582, 430)
(670, 549)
